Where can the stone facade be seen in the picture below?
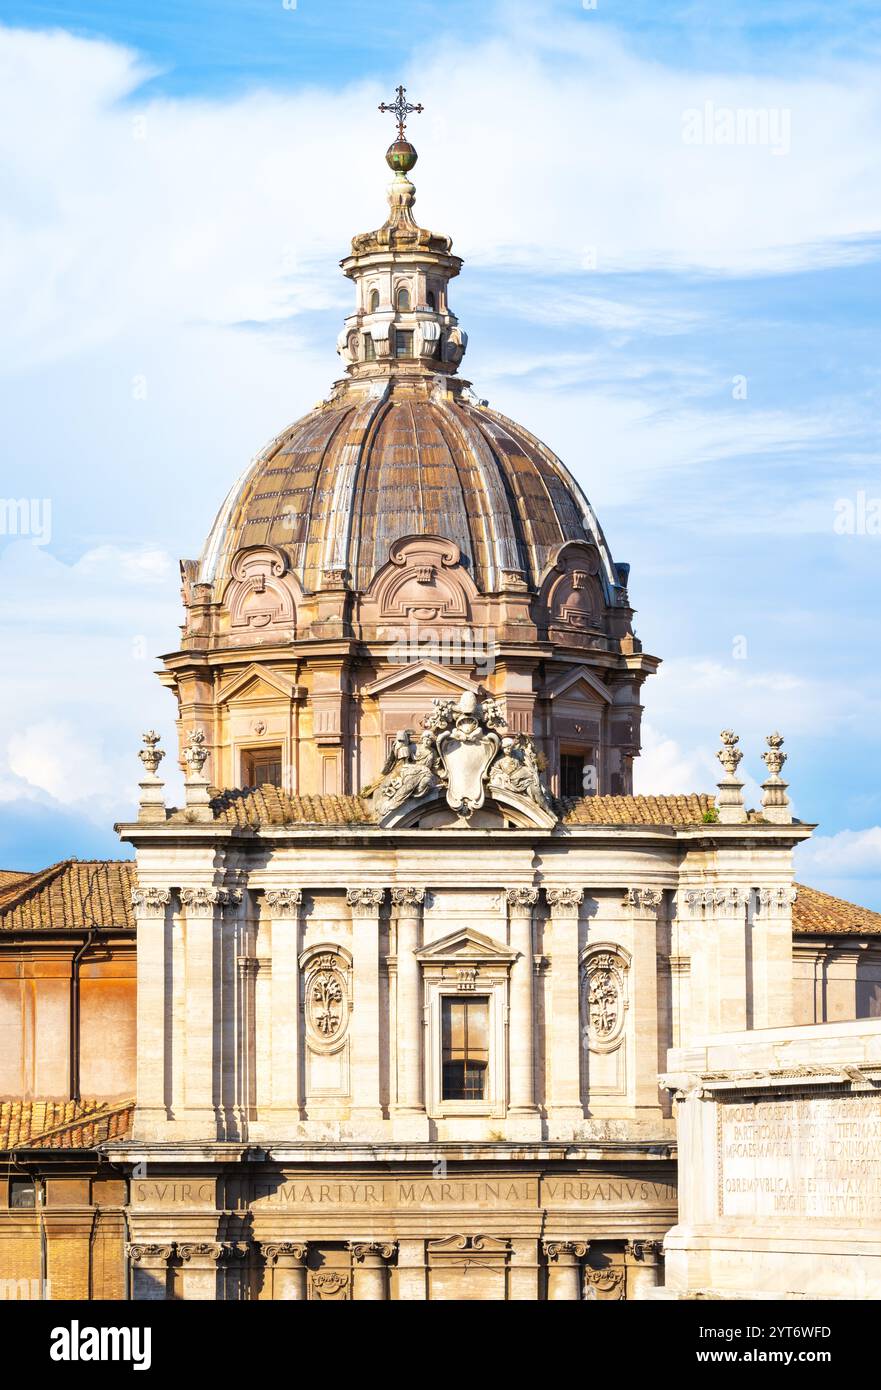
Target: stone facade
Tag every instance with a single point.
(286, 1014)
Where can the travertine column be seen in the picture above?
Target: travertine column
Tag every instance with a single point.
(523, 1271)
(644, 905)
(150, 1271)
(365, 904)
(564, 1269)
(200, 1262)
(369, 1269)
(565, 1107)
(770, 910)
(287, 1260)
(642, 1260)
(408, 904)
(283, 906)
(720, 996)
(203, 908)
(521, 1036)
(151, 905)
(411, 1271)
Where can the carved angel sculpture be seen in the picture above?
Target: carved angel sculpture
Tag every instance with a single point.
(410, 771)
(516, 770)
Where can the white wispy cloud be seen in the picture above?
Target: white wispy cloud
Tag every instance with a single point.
(848, 854)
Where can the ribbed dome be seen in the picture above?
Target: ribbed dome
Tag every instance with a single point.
(337, 488)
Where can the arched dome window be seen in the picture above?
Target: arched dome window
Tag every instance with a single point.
(373, 301)
(402, 298)
(431, 299)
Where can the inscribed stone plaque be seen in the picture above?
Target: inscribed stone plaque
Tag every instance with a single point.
(804, 1156)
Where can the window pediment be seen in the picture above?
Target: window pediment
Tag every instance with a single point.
(466, 946)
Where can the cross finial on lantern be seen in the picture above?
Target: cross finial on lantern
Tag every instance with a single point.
(401, 109)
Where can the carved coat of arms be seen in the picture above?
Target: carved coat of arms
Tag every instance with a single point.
(462, 752)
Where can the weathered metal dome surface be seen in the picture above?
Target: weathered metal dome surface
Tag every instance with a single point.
(338, 487)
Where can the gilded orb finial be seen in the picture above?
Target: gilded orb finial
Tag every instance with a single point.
(401, 156)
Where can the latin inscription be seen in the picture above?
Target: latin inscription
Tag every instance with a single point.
(427, 1194)
(817, 1156)
(397, 1193)
(173, 1194)
(606, 1192)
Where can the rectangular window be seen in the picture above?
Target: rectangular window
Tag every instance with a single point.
(22, 1193)
(464, 1047)
(369, 348)
(572, 779)
(403, 342)
(262, 767)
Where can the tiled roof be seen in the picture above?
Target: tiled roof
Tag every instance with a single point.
(62, 1124)
(638, 810)
(815, 913)
(271, 806)
(74, 894)
(267, 805)
(9, 877)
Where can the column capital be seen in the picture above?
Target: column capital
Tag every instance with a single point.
(643, 1251)
(365, 901)
(373, 1250)
(408, 896)
(564, 898)
(717, 898)
(644, 899)
(283, 902)
(201, 1252)
(203, 902)
(145, 1254)
(565, 1250)
(151, 902)
(289, 1251)
(521, 896)
(774, 898)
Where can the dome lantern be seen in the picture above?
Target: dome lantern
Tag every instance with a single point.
(402, 324)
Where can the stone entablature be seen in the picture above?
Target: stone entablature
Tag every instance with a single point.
(552, 1222)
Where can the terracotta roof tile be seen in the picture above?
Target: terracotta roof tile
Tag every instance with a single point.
(72, 895)
(815, 913)
(10, 877)
(638, 810)
(271, 806)
(62, 1124)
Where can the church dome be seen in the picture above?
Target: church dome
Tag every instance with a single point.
(404, 544)
(336, 489)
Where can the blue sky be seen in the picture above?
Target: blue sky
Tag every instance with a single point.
(692, 326)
